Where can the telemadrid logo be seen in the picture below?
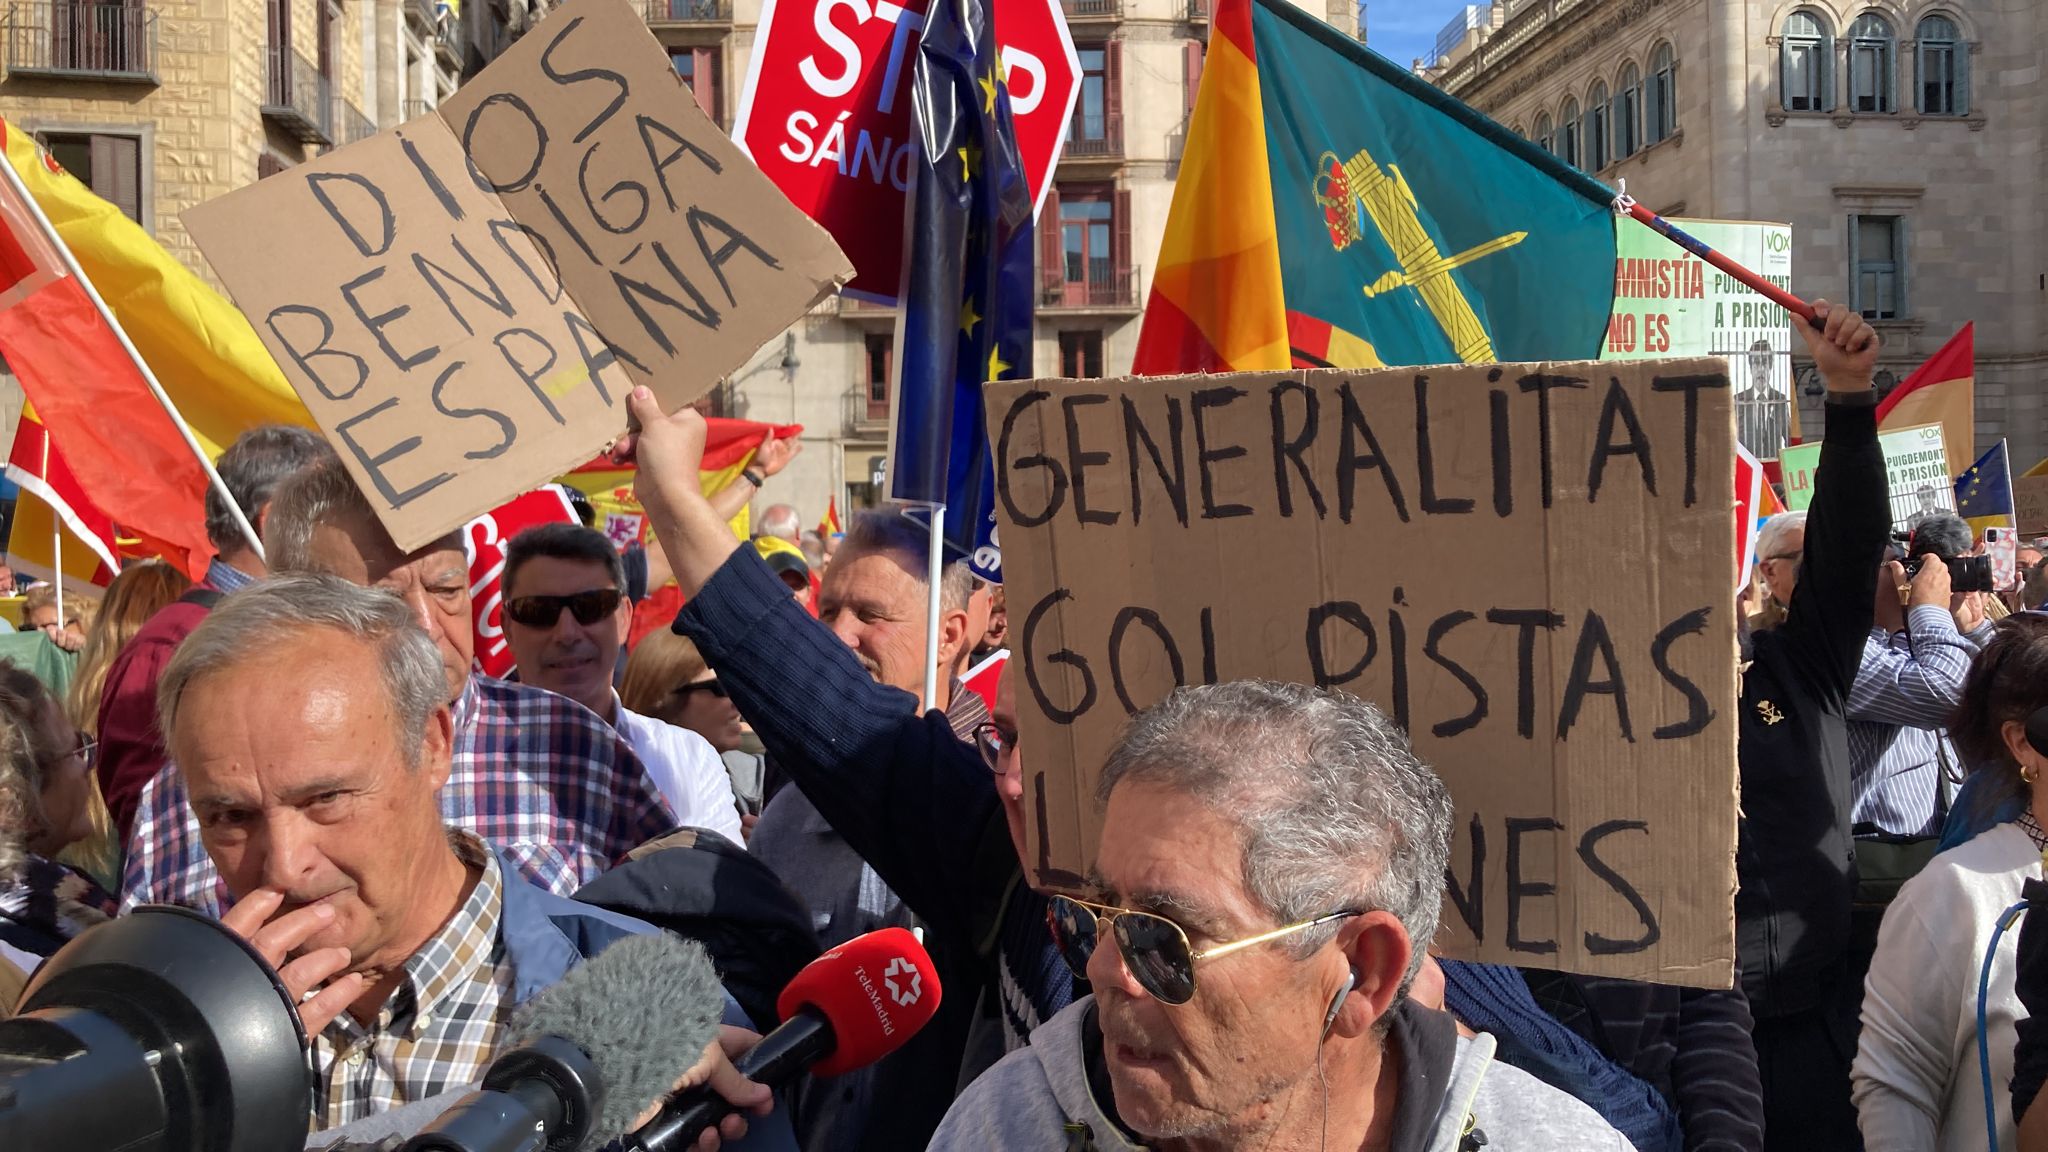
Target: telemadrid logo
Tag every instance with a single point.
(904, 992)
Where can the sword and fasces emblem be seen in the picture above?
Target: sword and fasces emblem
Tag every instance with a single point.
(1352, 191)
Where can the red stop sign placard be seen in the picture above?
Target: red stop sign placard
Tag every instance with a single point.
(826, 113)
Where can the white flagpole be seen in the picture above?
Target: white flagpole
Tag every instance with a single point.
(148, 377)
(56, 528)
(931, 631)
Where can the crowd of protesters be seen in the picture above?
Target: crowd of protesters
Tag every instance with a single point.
(729, 739)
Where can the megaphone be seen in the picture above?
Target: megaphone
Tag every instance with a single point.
(161, 1031)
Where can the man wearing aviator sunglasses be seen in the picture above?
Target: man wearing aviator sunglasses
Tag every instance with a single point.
(1271, 855)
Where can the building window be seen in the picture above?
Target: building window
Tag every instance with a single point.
(1096, 126)
(1872, 77)
(1568, 133)
(1660, 98)
(1597, 140)
(109, 165)
(1807, 64)
(1546, 134)
(701, 71)
(1628, 113)
(1944, 68)
(1086, 228)
(1081, 355)
(881, 350)
(1877, 279)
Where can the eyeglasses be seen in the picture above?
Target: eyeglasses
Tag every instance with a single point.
(712, 686)
(87, 751)
(1792, 556)
(990, 742)
(542, 611)
(1154, 949)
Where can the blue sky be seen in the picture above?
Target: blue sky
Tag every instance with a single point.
(1401, 30)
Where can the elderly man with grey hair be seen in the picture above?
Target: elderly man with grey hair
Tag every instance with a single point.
(1270, 871)
(407, 943)
(538, 775)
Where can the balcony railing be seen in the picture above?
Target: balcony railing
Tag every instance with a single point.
(1198, 11)
(81, 41)
(414, 109)
(297, 98)
(350, 125)
(689, 11)
(1092, 9)
(423, 13)
(1097, 137)
(1101, 289)
(864, 416)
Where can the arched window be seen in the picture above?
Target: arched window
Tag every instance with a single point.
(1568, 134)
(1944, 68)
(1546, 134)
(1660, 98)
(1806, 64)
(1872, 72)
(1598, 142)
(1628, 113)
(1517, 130)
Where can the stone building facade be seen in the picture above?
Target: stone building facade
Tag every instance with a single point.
(1901, 139)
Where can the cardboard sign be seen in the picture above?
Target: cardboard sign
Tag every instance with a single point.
(2030, 501)
(1525, 565)
(464, 301)
(485, 539)
(1915, 466)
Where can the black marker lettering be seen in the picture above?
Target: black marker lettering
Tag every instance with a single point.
(469, 142)
(1063, 656)
(622, 188)
(1202, 402)
(374, 465)
(1432, 648)
(596, 360)
(386, 226)
(1542, 385)
(1593, 640)
(549, 286)
(304, 357)
(649, 126)
(1291, 446)
(1150, 620)
(1527, 620)
(1425, 459)
(1319, 664)
(1080, 460)
(432, 178)
(382, 320)
(1055, 476)
(532, 369)
(565, 79)
(1691, 386)
(488, 291)
(1597, 944)
(1349, 461)
(1176, 484)
(507, 431)
(1518, 887)
(1470, 898)
(1617, 404)
(735, 243)
(1698, 713)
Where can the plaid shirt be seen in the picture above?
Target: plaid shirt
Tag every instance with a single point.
(536, 775)
(440, 1028)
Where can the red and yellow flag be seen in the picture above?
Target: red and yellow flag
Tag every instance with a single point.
(52, 505)
(1941, 391)
(729, 446)
(829, 526)
(1217, 303)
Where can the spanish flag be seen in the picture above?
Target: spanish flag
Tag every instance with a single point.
(202, 349)
(53, 506)
(1334, 210)
(729, 446)
(829, 526)
(1942, 391)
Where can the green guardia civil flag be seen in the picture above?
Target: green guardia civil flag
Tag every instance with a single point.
(1333, 209)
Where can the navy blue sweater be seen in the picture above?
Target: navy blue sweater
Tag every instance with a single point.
(914, 801)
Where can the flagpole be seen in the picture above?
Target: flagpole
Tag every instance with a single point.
(1626, 205)
(56, 537)
(156, 389)
(934, 575)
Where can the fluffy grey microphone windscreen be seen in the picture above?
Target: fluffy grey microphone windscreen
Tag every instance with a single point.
(643, 1010)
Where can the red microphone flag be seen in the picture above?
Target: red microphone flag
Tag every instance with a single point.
(876, 991)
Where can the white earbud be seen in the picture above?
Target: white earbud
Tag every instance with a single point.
(1337, 1001)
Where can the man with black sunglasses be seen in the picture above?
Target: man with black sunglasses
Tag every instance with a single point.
(1271, 861)
(566, 615)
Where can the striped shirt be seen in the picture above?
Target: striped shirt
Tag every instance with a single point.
(536, 775)
(441, 1026)
(1898, 710)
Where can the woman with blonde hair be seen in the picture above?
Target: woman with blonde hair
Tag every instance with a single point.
(136, 594)
(666, 678)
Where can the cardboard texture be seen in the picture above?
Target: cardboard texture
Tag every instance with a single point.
(464, 301)
(2030, 501)
(1525, 565)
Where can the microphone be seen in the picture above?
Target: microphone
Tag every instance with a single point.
(845, 1010)
(591, 1053)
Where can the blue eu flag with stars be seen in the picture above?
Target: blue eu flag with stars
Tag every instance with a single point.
(967, 303)
(1984, 493)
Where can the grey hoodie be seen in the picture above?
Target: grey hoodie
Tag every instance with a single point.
(1038, 1098)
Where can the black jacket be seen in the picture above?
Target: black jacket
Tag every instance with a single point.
(1795, 860)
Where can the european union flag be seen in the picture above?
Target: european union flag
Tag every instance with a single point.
(967, 303)
(1984, 493)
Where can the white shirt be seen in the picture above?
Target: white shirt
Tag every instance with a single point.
(685, 770)
(1917, 1082)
